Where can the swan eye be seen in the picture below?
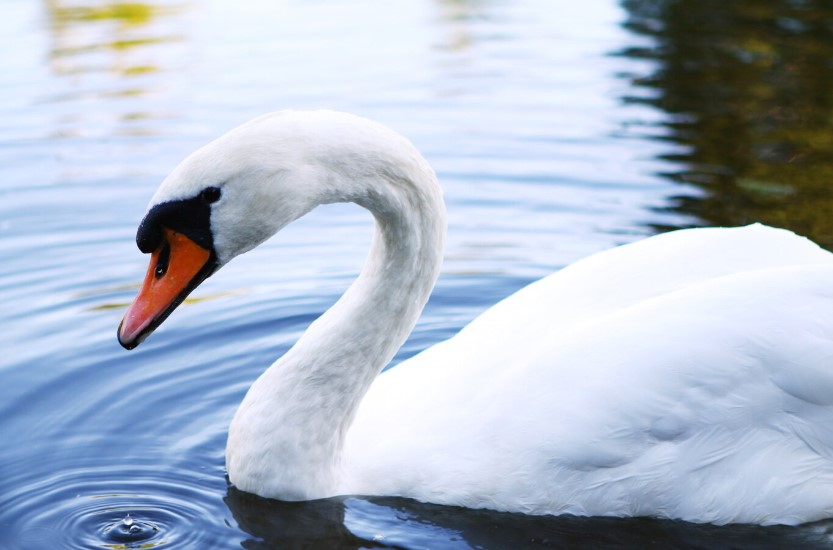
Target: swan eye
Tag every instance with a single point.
(164, 258)
(211, 194)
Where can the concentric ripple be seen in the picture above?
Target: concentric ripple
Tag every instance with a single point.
(96, 509)
(130, 531)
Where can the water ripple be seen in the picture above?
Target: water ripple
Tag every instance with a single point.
(125, 507)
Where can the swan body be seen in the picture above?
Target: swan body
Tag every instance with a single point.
(688, 376)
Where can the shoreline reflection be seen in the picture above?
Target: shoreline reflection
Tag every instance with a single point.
(746, 89)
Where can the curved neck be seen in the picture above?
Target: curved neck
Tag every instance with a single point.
(298, 412)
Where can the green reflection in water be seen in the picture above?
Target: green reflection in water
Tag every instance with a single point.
(136, 13)
(79, 29)
(105, 306)
(748, 87)
(115, 53)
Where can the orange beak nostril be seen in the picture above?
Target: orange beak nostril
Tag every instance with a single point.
(176, 268)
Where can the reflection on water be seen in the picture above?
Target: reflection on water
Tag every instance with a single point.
(748, 88)
(110, 51)
(115, 27)
(389, 522)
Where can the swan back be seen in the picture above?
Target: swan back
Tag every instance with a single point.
(660, 369)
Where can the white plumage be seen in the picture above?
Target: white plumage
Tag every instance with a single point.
(689, 375)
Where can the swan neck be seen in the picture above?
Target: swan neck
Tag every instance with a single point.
(299, 411)
(366, 327)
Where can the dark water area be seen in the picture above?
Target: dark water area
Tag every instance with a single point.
(748, 90)
(555, 132)
(378, 522)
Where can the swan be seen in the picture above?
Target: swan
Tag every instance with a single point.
(688, 375)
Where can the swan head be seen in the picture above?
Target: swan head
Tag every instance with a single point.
(237, 191)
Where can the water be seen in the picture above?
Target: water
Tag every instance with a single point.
(555, 131)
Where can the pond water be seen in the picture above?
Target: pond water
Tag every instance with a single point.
(556, 129)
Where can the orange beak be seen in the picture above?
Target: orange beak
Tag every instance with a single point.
(176, 268)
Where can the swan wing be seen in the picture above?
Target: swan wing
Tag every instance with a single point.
(703, 392)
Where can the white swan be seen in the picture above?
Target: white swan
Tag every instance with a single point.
(686, 376)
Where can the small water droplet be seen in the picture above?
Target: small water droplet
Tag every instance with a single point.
(130, 530)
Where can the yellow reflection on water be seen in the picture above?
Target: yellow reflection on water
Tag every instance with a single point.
(111, 52)
(135, 13)
(77, 29)
(187, 302)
